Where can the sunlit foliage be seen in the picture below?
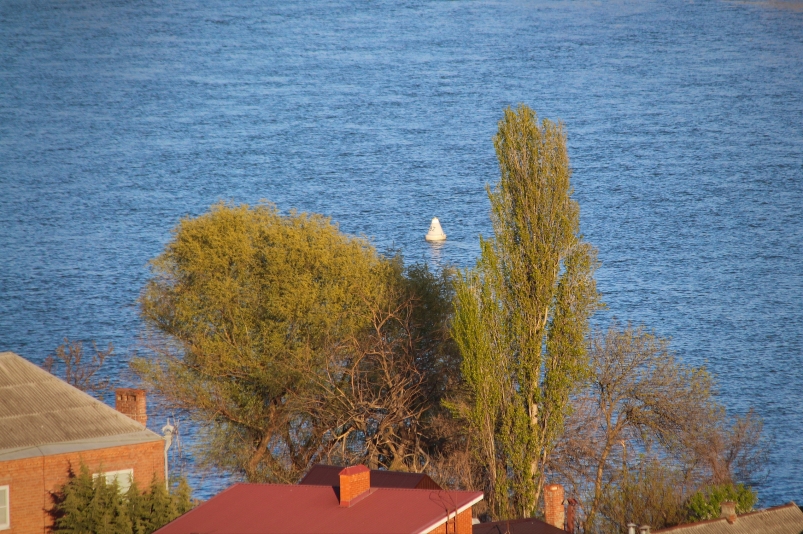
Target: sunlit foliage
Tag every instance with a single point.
(521, 316)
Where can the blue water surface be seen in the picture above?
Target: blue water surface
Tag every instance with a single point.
(685, 125)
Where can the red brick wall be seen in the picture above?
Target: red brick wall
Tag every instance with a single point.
(31, 480)
(463, 525)
(26, 496)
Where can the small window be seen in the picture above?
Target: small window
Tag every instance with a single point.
(124, 478)
(5, 512)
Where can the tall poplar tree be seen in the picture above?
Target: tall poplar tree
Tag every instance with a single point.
(521, 316)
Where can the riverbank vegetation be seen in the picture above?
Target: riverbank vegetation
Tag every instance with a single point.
(290, 343)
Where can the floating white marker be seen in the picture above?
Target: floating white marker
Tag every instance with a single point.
(435, 231)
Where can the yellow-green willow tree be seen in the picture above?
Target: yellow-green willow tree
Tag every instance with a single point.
(521, 315)
(244, 302)
(290, 343)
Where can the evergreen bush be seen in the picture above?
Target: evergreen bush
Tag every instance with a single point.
(87, 504)
(705, 504)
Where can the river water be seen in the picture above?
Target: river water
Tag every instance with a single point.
(685, 125)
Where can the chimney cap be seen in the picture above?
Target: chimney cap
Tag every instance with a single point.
(353, 470)
(133, 391)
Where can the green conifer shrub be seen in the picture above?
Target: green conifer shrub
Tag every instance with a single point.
(87, 504)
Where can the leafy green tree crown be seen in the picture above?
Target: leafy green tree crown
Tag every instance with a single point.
(705, 504)
(247, 304)
(521, 316)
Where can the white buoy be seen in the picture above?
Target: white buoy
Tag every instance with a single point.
(435, 231)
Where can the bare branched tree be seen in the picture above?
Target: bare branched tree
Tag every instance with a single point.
(649, 424)
(69, 363)
(380, 390)
(375, 395)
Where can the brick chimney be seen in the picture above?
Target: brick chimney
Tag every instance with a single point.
(131, 402)
(728, 511)
(553, 505)
(355, 481)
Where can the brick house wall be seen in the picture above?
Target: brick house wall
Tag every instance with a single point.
(31, 480)
(462, 525)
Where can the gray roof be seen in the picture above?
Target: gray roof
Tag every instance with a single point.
(41, 414)
(786, 519)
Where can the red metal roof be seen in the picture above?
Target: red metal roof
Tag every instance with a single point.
(328, 475)
(307, 509)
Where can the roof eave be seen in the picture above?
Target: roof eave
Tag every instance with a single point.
(450, 515)
(88, 444)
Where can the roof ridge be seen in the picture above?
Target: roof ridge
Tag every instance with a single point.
(441, 490)
(790, 504)
(318, 466)
(372, 487)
